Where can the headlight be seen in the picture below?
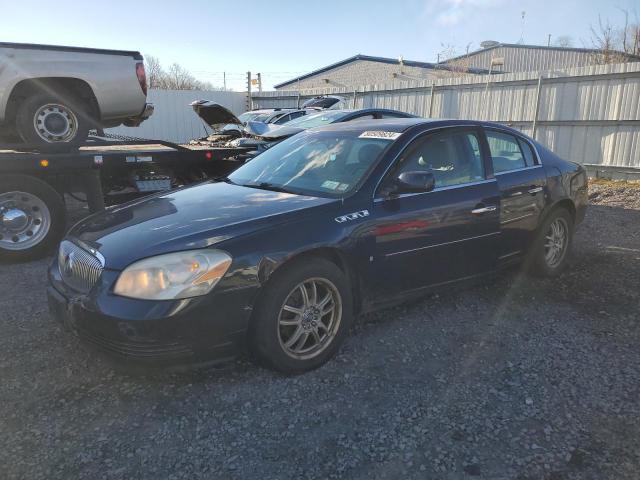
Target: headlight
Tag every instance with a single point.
(173, 276)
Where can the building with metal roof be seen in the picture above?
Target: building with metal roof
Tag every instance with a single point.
(512, 57)
(360, 70)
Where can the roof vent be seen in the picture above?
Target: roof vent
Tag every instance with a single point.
(489, 44)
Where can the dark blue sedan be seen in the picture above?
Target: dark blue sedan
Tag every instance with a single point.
(281, 255)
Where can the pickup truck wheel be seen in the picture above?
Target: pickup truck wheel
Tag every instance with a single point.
(303, 316)
(45, 120)
(32, 217)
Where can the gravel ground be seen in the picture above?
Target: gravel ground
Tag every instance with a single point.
(515, 379)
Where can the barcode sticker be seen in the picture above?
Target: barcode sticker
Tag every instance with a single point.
(380, 134)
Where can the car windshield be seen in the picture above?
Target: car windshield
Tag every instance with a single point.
(316, 120)
(255, 116)
(324, 164)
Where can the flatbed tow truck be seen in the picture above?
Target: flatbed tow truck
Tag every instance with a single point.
(101, 172)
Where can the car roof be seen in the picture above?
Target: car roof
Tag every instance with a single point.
(347, 111)
(402, 124)
(270, 110)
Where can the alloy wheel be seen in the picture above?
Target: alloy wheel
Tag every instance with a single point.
(556, 241)
(309, 318)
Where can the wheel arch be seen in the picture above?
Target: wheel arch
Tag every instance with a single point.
(565, 203)
(68, 87)
(334, 255)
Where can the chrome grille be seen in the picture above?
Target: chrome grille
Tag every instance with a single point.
(79, 268)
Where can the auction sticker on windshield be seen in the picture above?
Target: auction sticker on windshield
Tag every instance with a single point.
(380, 134)
(331, 185)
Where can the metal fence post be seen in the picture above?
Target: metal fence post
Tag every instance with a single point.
(536, 109)
(249, 99)
(431, 102)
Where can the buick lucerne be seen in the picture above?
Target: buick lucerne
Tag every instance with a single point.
(280, 255)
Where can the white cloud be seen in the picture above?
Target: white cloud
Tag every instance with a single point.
(448, 13)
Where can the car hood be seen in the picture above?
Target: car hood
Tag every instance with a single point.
(271, 131)
(193, 217)
(214, 114)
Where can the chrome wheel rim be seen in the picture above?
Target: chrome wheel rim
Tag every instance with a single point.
(55, 123)
(309, 318)
(555, 242)
(24, 220)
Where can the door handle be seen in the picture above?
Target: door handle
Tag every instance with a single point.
(535, 190)
(481, 210)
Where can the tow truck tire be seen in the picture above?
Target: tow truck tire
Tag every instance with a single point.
(32, 218)
(48, 121)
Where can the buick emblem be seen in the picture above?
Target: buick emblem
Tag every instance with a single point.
(69, 262)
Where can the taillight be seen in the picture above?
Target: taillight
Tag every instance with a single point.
(142, 76)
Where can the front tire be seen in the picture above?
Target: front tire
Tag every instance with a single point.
(302, 317)
(48, 121)
(552, 245)
(32, 217)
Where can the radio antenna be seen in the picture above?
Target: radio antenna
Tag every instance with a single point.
(521, 41)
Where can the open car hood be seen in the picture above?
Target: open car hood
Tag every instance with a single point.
(214, 114)
(270, 130)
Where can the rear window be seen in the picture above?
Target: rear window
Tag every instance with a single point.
(317, 120)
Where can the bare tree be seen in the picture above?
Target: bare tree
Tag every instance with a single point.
(155, 73)
(630, 34)
(454, 66)
(175, 77)
(180, 79)
(564, 41)
(613, 43)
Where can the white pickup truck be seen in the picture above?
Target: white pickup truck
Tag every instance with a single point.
(54, 95)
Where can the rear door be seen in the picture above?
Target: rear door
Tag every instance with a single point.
(424, 239)
(522, 182)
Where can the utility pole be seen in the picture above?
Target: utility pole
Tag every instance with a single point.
(249, 100)
(549, 40)
(259, 82)
(224, 80)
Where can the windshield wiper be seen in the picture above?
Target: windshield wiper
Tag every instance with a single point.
(268, 186)
(223, 179)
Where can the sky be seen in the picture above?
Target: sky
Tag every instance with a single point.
(285, 38)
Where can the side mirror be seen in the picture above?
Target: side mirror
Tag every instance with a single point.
(415, 182)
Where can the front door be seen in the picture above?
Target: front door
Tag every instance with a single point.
(449, 233)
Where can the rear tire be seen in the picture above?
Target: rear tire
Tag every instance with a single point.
(550, 249)
(282, 313)
(32, 218)
(48, 121)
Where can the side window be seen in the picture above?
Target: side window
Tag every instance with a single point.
(529, 157)
(505, 152)
(452, 156)
(390, 115)
(362, 117)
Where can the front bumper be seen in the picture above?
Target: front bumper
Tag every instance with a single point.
(147, 111)
(202, 330)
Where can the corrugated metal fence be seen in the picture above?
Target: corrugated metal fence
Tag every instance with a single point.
(589, 114)
(174, 120)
